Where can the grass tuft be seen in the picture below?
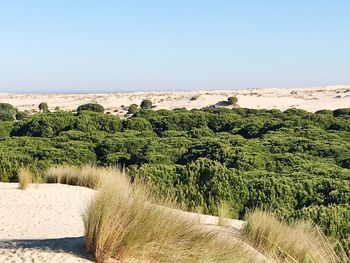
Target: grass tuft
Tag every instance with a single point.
(122, 223)
(224, 212)
(300, 242)
(87, 176)
(127, 221)
(24, 177)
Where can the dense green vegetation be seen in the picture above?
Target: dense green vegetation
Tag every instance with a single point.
(294, 162)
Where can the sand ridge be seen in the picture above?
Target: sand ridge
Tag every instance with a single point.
(310, 99)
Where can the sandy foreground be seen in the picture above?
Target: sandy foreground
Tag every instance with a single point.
(44, 223)
(310, 99)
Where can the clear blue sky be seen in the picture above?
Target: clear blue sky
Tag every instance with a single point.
(82, 46)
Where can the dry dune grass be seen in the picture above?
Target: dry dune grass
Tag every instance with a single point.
(301, 242)
(121, 223)
(24, 177)
(87, 176)
(224, 214)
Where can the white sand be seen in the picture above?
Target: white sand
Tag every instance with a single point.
(43, 223)
(310, 99)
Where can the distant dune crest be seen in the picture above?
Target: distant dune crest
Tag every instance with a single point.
(310, 99)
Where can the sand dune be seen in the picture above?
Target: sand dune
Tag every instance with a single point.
(44, 224)
(310, 99)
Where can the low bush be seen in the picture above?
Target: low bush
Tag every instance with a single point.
(21, 115)
(43, 107)
(7, 112)
(91, 107)
(232, 100)
(146, 104)
(132, 109)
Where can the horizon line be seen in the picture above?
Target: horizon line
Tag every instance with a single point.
(178, 90)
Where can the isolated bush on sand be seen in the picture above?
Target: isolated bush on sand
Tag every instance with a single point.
(146, 104)
(43, 107)
(232, 100)
(91, 107)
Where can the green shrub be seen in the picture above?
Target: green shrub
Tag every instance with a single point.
(342, 113)
(44, 124)
(5, 128)
(21, 115)
(138, 124)
(132, 109)
(91, 107)
(232, 100)
(7, 112)
(146, 104)
(8, 167)
(43, 107)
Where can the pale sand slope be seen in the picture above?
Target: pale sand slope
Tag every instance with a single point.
(44, 223)
(310, 99)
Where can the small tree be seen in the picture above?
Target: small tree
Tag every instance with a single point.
(21, 115)
(91, 107)
(7, 112)
(132, 109)
(43, 107)
(146, 104)
(57, 108)
(232, 100)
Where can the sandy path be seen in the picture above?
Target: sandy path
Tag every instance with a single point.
(43, 223)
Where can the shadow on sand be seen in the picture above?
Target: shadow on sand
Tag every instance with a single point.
(70, 245)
